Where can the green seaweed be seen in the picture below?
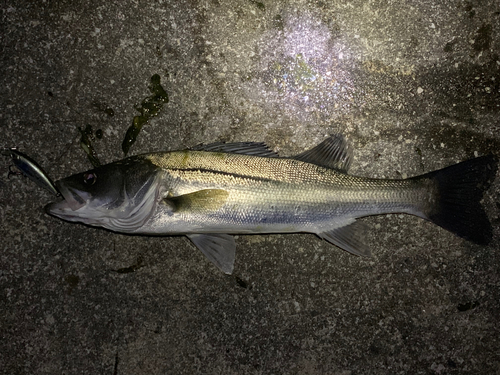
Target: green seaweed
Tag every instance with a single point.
(295, 74)
(258, 4)
(303, 72)
(150, 107)
(278, 22)
(72, 281)
(467, 306)
(138, 264)
(103, 107)
(86, 139)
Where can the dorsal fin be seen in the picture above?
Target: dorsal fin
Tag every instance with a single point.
(245, 148)
(334, 152)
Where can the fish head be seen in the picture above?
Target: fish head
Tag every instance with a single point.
(119, 196)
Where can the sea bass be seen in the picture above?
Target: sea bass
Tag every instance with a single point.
(211, 192)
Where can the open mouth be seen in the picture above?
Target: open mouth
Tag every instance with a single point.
(73, 200)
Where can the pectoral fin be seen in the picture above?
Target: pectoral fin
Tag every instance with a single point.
(349, 238)
(218, 248)
(208, 199)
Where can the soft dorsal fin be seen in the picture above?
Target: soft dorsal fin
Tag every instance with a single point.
(245, 148)
(334, 152)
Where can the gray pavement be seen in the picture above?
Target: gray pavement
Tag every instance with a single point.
(414, 86)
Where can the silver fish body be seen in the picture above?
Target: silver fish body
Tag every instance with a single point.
(222, 189)
(234, 193)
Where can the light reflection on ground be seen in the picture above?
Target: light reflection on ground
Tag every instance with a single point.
(310, 66)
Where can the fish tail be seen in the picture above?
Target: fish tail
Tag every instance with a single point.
(458, 193)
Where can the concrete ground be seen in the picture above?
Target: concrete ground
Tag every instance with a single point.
(414, 86)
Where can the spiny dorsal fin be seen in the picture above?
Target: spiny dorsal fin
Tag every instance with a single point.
(220, 249)
(334, 152)
(245, 148)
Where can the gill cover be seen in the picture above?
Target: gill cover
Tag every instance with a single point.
(119, 196)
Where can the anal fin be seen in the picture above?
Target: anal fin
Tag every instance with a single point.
(220, 249)
(349, 238)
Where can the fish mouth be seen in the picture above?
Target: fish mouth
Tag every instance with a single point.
(74, 199)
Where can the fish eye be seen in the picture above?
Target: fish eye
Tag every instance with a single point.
(89, 178)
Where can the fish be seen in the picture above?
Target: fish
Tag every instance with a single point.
(31, 169)
(211, 192)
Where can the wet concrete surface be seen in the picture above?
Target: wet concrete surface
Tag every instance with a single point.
(414, 86)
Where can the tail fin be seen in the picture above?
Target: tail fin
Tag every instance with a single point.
(460, 189)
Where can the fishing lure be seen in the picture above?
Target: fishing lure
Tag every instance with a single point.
(31, 169)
